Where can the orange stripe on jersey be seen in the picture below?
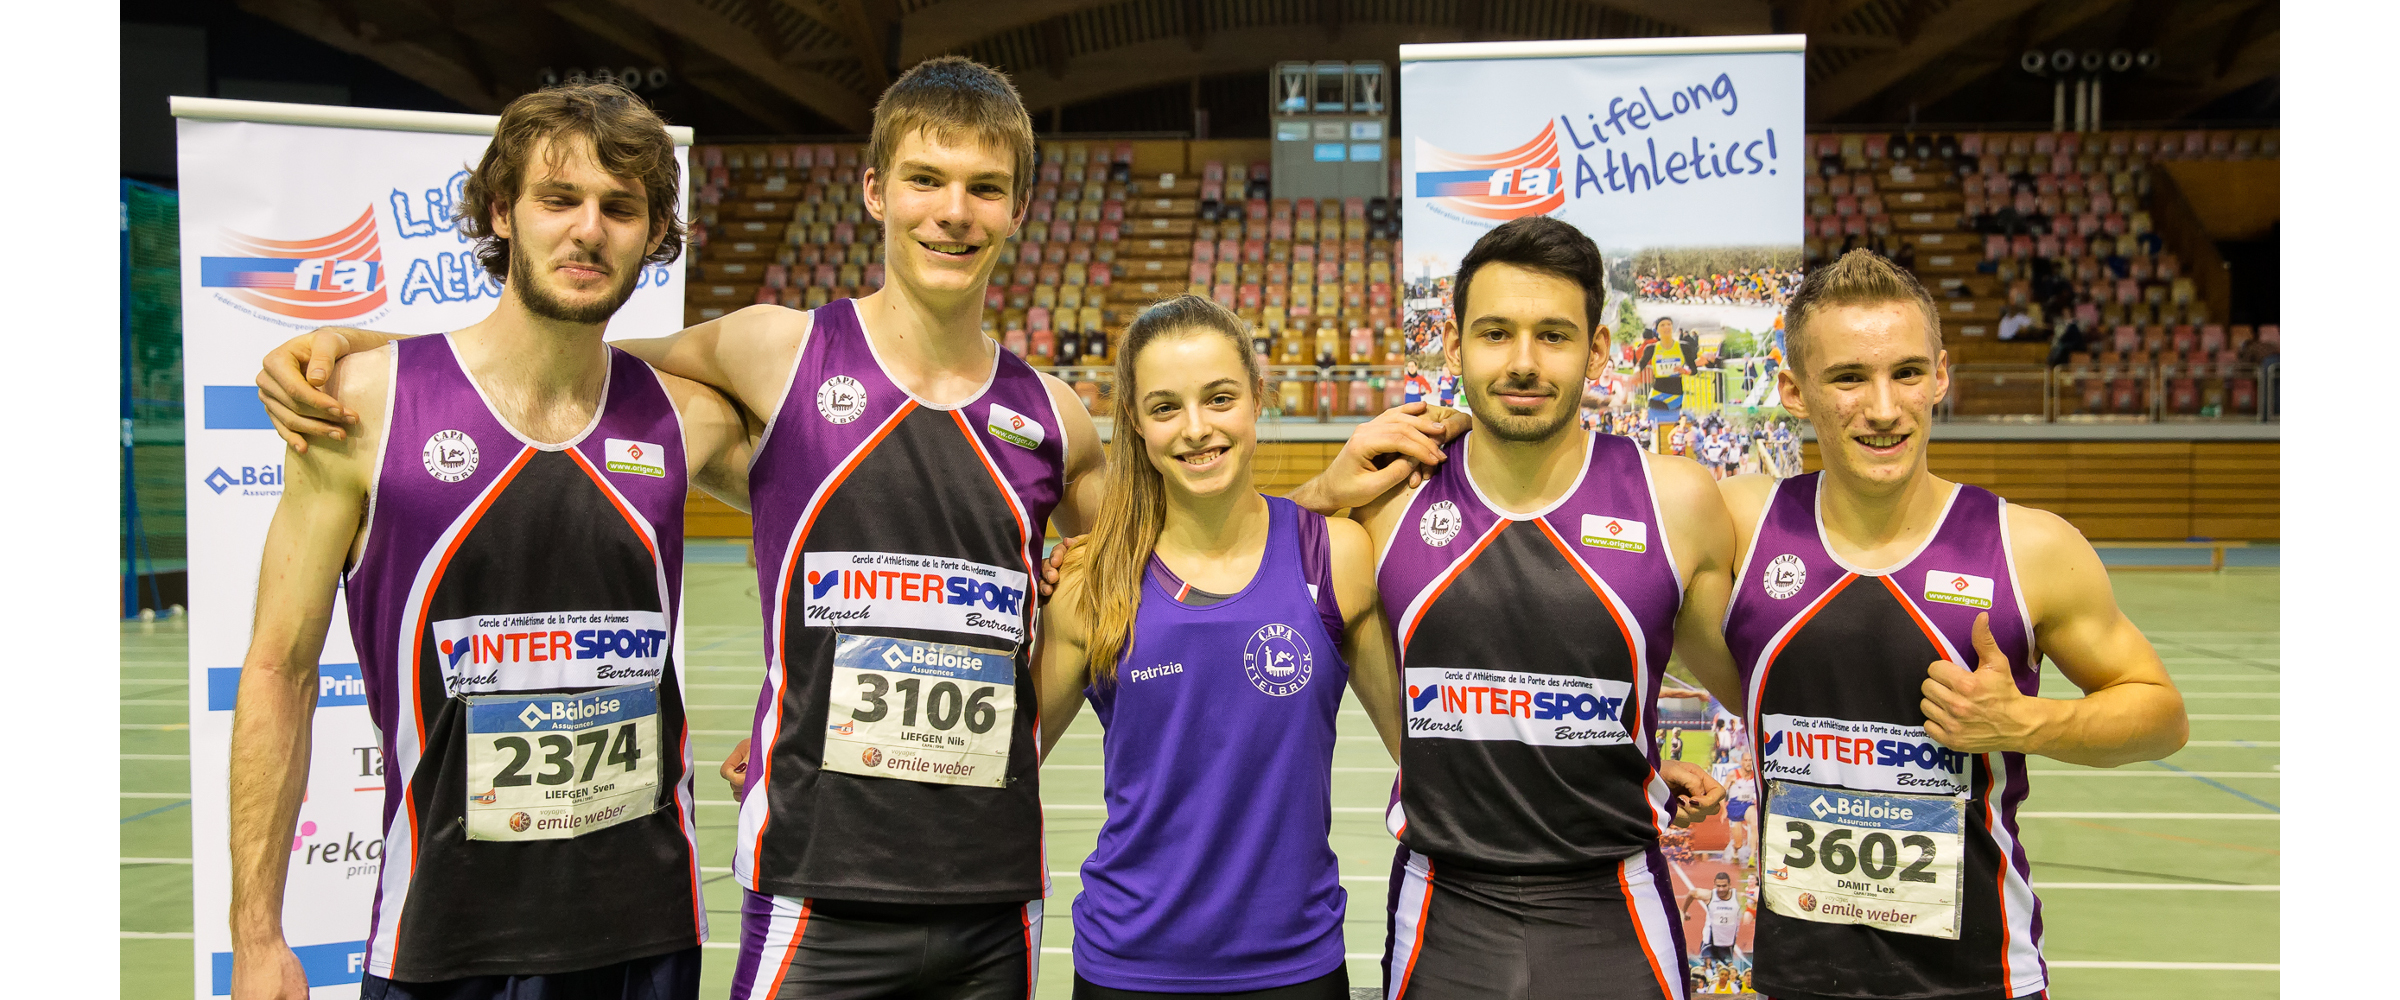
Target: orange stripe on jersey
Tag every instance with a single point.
(1024, 533)
(1641, 676)
(1417, 948)
(1802, 622)
(1991, 821)
(1916, 616)
(1448, 576)
(1633, 913)
(791, 563)
(631, 519)
(416, 658)
(791, 949)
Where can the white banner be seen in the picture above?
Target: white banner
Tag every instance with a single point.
(295, 218)
(1684, 159)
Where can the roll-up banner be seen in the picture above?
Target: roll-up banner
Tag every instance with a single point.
(296, 217)
(1683, 159)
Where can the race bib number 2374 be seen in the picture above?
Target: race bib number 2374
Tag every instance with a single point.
(554, 766)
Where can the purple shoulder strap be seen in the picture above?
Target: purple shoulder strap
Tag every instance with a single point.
(1316, 563)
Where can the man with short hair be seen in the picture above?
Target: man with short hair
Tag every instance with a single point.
(509, 510)
(902, 484)
(1890, 628)
(1537, 582)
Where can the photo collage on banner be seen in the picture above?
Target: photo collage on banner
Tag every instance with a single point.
(1683, 160)
(296, 217)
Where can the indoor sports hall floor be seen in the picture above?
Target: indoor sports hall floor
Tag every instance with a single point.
(2158, 880)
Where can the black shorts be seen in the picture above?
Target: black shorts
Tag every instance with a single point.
(1333, 985)
(672, 976)
(813, 949)
(1605, 935)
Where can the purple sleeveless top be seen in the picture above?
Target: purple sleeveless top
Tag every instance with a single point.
(1213, 873)
(1531, 649)
(1833, 658)
(854, 478)
(471, 530)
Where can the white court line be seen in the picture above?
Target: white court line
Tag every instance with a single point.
(2187, 886)
(154, 795)
(155, 680)
(2149, 815)
(187, 935)
(2172, 966)
(154, 756)
(722, 687)
(154, 861)
(154, 701)
(2237, 744)
(2232, 694)
(154, 725)
(2234, 718)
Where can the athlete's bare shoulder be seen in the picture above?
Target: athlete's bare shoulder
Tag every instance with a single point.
(1083, 436)
(2049, 552)
(1381, 516)
(1746, 497)
(363, 382)
(1348, 539)
(1682, 484)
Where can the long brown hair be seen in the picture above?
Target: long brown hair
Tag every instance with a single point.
(1134, 509)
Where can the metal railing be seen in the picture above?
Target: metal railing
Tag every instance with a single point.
(2112, 393)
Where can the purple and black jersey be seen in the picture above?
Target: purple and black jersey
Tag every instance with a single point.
(1213, 873)
(1890, 866)
(893, 756)
(495, 568)
(1531, 648)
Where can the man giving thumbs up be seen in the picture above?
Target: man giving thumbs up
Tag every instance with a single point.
(1891, 772)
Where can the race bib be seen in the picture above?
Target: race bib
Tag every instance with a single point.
(1886, 860)
(920, 711)
(554, 766)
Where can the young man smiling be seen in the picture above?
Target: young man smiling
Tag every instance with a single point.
(1890, 628)
(510, 510)
(907, 470)
(1537, 581)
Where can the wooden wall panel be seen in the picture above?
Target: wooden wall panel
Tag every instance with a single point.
(2126, 490)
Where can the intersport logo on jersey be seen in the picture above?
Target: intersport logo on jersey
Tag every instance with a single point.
(483, 654)
(1554, 710)
(1868, 756)
(901, 590)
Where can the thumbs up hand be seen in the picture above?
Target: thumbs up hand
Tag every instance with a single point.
(1980, 710)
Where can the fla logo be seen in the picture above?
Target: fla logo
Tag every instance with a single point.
(332, 277)
(1498, 186)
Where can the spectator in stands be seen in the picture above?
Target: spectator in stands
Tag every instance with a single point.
(2066, 339)
(2013, 322)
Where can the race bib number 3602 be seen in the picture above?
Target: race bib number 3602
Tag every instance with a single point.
(920, 711)
(1885, 860)
(553, 766)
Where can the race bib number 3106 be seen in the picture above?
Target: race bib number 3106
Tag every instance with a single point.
(553, 766)
(1886, 860)
(920, 711)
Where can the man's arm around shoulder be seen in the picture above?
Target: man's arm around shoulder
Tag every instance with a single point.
(748, 354)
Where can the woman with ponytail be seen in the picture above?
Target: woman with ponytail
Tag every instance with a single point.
(1212, 629)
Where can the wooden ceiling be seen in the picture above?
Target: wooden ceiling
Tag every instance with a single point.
(816, 66)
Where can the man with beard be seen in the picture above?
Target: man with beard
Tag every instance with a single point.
(509, 506)
(1537, 581)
